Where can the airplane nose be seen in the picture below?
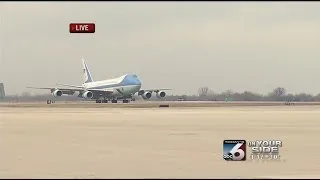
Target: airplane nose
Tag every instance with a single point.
(138, 82)
(138, 87)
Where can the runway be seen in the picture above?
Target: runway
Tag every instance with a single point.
(78, 142)
(151, 104)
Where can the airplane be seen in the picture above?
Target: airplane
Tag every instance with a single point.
(123, 87)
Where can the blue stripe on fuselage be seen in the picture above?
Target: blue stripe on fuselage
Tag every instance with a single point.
(130, 79)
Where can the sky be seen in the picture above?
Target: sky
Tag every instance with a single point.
(240, 46)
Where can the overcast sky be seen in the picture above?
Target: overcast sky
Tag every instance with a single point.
(254, 46)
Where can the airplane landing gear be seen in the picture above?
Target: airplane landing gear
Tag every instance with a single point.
(113, 101)
(102, 100)
(132, 97)
(98, 101)
(105, 101)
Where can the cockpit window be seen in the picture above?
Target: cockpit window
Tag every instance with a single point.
(135, 76)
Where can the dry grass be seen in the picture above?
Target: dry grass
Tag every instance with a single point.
(154, 143)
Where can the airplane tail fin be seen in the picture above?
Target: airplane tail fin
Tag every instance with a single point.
(86, 73)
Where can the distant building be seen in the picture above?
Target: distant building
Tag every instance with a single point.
(2, 92)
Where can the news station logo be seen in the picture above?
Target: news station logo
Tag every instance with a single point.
(82, 28)
(234, 150)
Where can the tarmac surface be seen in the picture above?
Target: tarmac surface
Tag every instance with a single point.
(151, 104)
(52, 142)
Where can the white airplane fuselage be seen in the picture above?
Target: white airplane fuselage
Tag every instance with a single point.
(125, 85)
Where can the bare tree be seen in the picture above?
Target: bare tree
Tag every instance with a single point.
(303, 97)
(203, 91)
(291, 97)
(279, 91)
(317, 97)
(228, 93)
(210, 93)
(250, 96)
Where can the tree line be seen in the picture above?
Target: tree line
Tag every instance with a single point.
(204, 94)
(277, 94)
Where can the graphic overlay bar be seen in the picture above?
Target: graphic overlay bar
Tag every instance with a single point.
(82, 28)
(234, 150)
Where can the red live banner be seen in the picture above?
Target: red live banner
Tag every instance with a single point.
(82, 27)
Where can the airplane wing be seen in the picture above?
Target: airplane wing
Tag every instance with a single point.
(155, 90)
(54, 88)
(73, 90)
(95, 91)
(69, 85)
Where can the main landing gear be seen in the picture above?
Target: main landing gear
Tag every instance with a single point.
(98, 101)
(112, 101)
(125, 101)
(101, 101)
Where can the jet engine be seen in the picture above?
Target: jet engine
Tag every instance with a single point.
(161, 94)
(87, 95)
(146, 95)
(57, 93)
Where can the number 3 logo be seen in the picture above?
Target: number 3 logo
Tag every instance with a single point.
(238, 154)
